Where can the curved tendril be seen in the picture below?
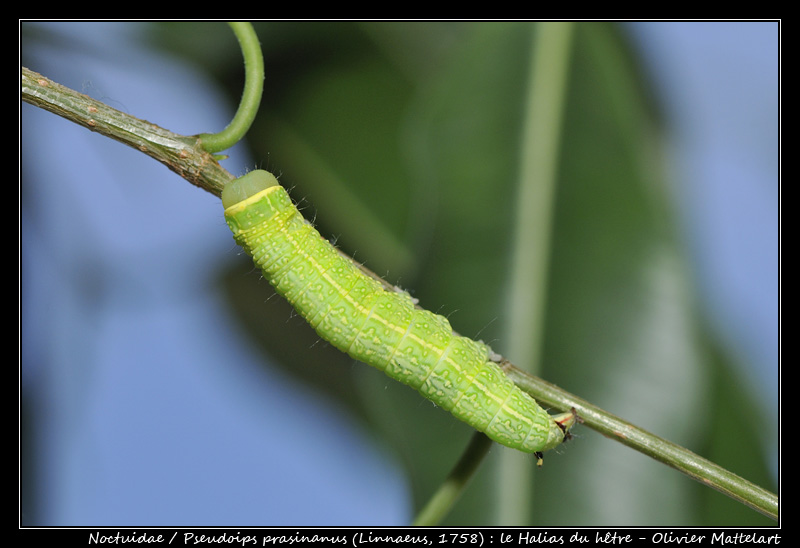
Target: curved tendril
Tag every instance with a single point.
(251, 96)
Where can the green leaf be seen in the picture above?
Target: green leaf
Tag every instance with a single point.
(403, 142)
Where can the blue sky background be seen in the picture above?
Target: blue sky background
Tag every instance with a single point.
(720, 88)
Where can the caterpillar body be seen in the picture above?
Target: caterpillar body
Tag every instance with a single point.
(383, 328)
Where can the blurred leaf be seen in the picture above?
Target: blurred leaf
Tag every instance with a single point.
(403, 142)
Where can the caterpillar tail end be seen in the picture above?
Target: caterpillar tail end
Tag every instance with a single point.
(565, 421)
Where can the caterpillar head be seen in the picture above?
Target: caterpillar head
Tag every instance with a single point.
(245, 186)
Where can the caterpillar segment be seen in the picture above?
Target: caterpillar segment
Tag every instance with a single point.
(382, 328)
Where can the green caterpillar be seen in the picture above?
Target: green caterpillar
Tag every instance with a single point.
(382, 328)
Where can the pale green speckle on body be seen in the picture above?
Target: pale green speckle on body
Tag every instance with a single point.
(382, 328)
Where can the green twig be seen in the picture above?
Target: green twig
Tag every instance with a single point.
(185, 156)
(251, 96)
(449, 492)
(664, 451)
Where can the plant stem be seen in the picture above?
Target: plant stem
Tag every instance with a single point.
(664, 451)
(527, 287)
(186, 157)
(183, 155)
(449, 492)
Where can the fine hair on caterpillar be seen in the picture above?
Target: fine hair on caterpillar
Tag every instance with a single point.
(380, 325)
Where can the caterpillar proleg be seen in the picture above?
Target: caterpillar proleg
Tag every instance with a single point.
(380, 327)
